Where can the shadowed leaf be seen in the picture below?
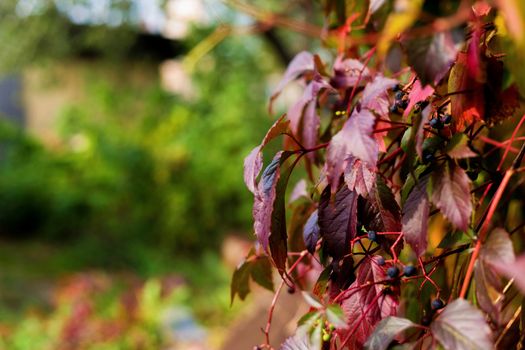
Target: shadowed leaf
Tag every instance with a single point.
(415, 217)
(386, 331)
(311, 232)
(451, 194)
(338, 220)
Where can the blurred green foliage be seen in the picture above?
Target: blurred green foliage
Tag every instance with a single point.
(139, 167)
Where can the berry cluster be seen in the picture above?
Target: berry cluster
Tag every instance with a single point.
(401, 100)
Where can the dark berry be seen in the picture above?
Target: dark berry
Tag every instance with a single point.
(473, 175)
(428, 157)
(447, 118)
(372, 235)
(392, 272)
(396, 88)
(426, 320)
(380, 261)
(399, 95)
(436, 123)
(437, 304)
(393, 108)
(402, 104)
(409, 270)
(291, 290)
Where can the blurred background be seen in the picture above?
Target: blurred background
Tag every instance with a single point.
(123, 128)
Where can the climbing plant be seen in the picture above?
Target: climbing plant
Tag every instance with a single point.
(406, 229)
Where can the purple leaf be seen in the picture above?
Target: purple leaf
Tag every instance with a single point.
(462, 327)
(514, 270)
(347, 72)
(298, 191)
(451, 194)
(304, 120)
(297, 342)
(354, 139)
(360, 177)
(311, 232)
(386, 331)
(253, 162)
(269, 211)
(338, 220)
(431, 57)
(415, 217)
(301, 63)
(375, 95)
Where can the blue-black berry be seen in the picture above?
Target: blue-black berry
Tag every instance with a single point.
(291, 290)
(447, 118)
(428, 157)
(380, 261)
(409, 270)
(393, 108)
(372, 235)
(437, 304)
(399, 95)
(396, 88)
(472, 174)
(436, 123)
(402, 104)
(392, 272)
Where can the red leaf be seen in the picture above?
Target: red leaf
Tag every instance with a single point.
(301, 63)
(366, 305)
(253, 162)
(451, 194)
(354, 139)
(338, 220)
(417, 94)
(415, 218)
(467, 105)
(360, 177)
(462, 327)
(431, 57)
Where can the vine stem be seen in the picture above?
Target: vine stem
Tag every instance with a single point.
(276, 296)
(492, 209)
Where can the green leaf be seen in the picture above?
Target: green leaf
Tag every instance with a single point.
(336, 316)
(386, 331)
(458, 148)
(453, 238)
(240, 284)
(261, 272)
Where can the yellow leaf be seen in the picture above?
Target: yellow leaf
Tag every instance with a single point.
(404, 15)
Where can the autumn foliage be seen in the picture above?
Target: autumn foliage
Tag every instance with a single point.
(405, 227)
